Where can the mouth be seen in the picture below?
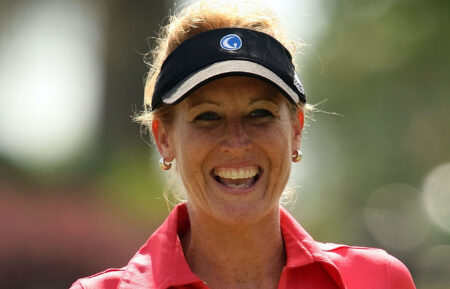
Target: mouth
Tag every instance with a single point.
(237, 178)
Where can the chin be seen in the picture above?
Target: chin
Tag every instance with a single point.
(242, 213)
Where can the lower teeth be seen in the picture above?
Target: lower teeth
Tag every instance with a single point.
(240, 186)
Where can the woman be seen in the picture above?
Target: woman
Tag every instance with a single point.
(227, 106)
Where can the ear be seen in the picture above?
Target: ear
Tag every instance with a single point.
(160, 133)
(298, 129)
(301, 118)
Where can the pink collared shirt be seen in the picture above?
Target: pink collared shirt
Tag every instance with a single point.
(160, 263)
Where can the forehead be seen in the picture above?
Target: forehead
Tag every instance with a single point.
(243, 87)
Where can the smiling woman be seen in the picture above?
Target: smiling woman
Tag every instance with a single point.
(224, 102)
(232, 140)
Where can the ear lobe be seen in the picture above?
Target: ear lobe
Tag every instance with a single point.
(161, 139)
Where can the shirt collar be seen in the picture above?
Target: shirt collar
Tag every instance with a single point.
(161, 263)
(302, 249)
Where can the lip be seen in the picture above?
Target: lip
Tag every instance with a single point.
(237, 191)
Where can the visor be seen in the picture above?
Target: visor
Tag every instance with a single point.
(224, 52)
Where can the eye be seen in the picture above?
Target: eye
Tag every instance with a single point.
(207, 116)
(261, 113)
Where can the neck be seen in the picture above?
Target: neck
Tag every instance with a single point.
(235, 256)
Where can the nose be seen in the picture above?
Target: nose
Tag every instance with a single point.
(236, 138)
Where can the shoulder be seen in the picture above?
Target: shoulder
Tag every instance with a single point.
(363, 264)
(108, 279)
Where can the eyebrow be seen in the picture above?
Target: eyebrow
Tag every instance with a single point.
(269, 98)
(265, 98)
(201, 102)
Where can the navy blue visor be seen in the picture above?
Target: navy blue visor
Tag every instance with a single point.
(224, 52)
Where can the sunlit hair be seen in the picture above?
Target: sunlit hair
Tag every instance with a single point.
(199, 16)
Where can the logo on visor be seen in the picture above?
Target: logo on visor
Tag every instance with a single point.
(298, 84)
(231, 42)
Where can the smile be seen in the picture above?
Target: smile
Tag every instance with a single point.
(240, 178)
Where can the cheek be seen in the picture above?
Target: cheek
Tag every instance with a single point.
(276, 139)
(197, 142)
(192, 149)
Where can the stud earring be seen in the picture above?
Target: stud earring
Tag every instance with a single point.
(297, 156)
(165, 165)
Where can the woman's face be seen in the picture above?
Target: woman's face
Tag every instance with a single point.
(232, 140)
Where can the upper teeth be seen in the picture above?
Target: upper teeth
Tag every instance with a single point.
(237, 173)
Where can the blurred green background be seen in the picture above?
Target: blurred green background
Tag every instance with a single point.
(80, 189)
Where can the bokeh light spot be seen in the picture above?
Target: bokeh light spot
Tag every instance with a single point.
(395, 218)
(436, 196)
(51, 82)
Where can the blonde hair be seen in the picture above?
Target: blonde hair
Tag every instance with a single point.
(197, 17)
